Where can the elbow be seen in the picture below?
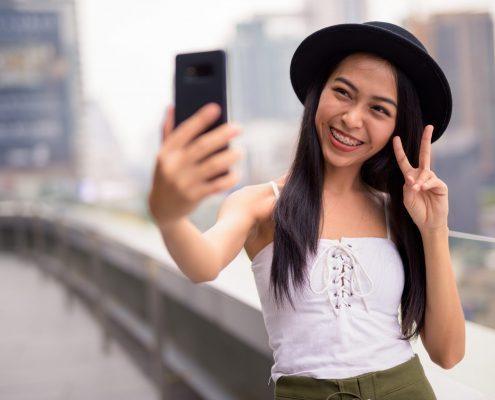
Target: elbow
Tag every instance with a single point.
(203, 278)
(449, 361)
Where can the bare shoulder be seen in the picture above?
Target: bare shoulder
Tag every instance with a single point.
(262, 200)
(255, 200)
(245, 197)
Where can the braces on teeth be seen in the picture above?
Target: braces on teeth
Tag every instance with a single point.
(344, 139)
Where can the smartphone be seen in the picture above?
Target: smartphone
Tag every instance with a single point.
(201, 78)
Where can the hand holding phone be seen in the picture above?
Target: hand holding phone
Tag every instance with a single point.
(180, 178)
(195, 157)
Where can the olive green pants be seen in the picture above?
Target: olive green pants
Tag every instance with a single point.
(406, 381)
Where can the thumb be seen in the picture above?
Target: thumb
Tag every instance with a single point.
(409, 195)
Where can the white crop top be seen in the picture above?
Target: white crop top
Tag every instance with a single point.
(345, 321)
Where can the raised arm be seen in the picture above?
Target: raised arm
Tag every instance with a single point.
(182, 179)
(426, 200)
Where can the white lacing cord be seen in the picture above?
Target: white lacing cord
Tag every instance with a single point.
(349, 268)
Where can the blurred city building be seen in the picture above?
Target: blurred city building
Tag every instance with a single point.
(259, 67)
(455, 161)
(53, 144)
(269, 147)
(39, 97)
(262, 96)
(321, 13)
(103, 175)
(463, 45)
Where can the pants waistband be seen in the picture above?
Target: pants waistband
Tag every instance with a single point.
(364, 385)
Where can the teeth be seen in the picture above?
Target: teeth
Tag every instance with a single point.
(344, 139)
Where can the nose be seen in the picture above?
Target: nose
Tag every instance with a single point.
(353, 118)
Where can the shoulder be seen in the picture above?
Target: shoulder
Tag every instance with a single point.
(379, 199)
(257, 200)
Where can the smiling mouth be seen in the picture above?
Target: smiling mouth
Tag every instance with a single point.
(344, 139)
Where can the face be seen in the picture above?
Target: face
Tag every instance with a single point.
(357, 110)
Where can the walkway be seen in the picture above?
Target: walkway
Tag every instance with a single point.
(51, 348)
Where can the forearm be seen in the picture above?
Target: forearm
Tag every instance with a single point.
(444, 329)
(195, 256)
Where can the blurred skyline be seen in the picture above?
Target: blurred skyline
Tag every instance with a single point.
(128, 49)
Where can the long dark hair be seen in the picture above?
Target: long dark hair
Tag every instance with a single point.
(297, 212)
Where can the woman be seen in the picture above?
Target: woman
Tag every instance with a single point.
(355, 230)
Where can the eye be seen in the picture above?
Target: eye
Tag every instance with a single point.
(380, 110)
(341, 91)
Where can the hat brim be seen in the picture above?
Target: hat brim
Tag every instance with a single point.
(320, 48)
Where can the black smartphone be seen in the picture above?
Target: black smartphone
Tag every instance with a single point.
(200, 78)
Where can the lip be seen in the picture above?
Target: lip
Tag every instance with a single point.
(340, 146)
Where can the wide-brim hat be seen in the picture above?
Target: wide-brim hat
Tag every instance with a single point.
(388, 41)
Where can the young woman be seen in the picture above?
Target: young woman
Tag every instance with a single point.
(354, 233)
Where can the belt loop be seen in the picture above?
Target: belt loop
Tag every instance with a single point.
(342, 388)
(348, 386)
(367, 386)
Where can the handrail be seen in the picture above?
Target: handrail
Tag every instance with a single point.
(471, 236)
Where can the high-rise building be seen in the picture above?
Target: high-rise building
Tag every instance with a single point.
(455, 162)
(262, 96)
(463, 45)
(322, 13)
(259, 73)
(39, 94)
(260, 61)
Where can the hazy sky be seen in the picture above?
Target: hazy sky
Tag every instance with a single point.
(128, 49)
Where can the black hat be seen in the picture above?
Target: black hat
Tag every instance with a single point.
(388, 41)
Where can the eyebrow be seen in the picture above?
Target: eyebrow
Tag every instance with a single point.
(354, 88)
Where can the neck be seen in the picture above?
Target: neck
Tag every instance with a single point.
(343, 181)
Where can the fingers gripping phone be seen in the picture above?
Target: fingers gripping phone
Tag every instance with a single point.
(201, 78)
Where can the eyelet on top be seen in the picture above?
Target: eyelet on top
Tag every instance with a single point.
(343, 285)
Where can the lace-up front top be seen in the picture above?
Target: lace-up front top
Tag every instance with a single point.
(345, 321)
(340, 276)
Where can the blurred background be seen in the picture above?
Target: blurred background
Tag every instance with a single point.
(84, 85)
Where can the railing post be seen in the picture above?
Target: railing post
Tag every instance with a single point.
(20, 244)
(39, 244)
(99, 284)
(64, 261)
(155, 307)
(61, 252)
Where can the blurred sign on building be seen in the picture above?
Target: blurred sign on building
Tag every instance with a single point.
(39, 86)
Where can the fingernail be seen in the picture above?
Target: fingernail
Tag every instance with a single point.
(235, 127)
(212, 108)
(235, 130)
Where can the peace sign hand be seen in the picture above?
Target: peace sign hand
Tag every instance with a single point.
(425, 195)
